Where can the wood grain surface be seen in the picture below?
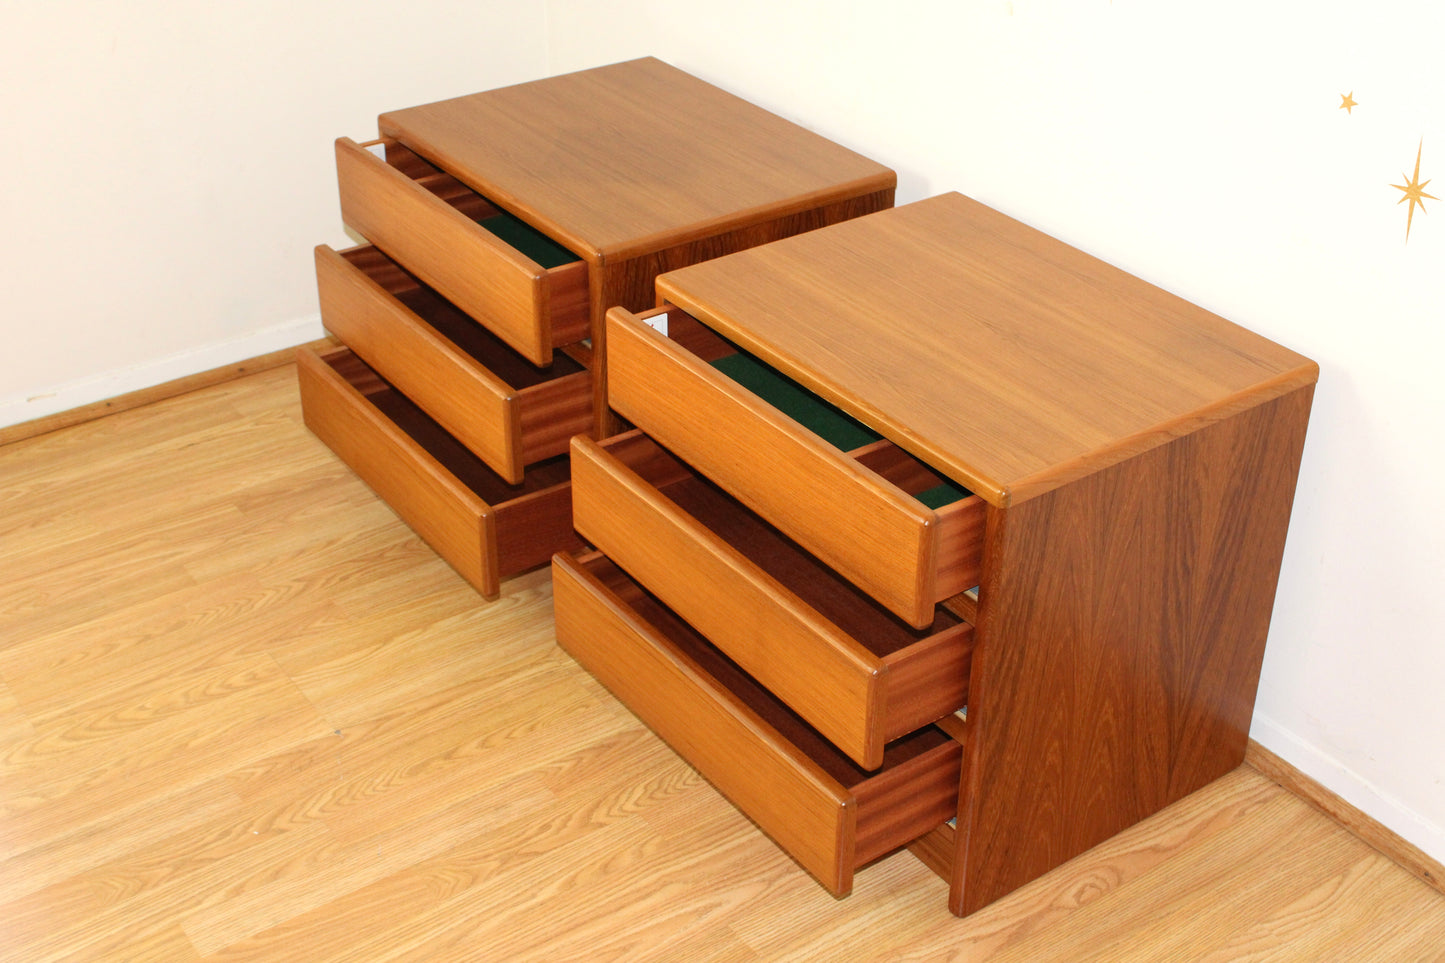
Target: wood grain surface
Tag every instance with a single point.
(246, 714)
(1121, 629)
(633, 157)
(507, 411)
(1072, 364)
(857, 674)
(532, 308)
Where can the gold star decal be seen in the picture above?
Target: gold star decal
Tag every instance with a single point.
(1347, 102)
(1414, 189)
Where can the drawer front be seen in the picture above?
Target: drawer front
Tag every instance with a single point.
(483, 527)
(829, 817)
(507, 425)
(534, 309)
(884, 541)
(787, 631)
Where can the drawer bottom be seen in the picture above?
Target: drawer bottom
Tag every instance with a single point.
(828, 813)
(484, 527)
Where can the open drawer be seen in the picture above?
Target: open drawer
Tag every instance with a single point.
(878, 516)
(525, 288)
(486, 528)
(509, 412)
(831, 816)
(852, 669)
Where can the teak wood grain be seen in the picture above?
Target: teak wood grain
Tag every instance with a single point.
(851, 517)
(245, 714)
(858, 675)
(493, 401)
(532, 308)
(639, 168)
(1137, 454)
(485, 528)
(632, 158)
(1122, 625)
(1013, 362)
(829, 815)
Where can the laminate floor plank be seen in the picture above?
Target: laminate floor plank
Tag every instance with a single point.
(246, 714)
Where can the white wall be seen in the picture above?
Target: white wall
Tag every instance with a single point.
(1200, 146)
(167, 169)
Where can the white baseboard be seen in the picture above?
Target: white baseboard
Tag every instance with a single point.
(16, 409)
(1350, 786)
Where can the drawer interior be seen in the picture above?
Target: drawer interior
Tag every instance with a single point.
(818, 416)
(452, 454)
(456, 325)
(842, 603)
(511, 229)
(762, 702)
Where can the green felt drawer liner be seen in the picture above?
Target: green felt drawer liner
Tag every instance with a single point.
(527, 239)
(816, 415)
(807, 409)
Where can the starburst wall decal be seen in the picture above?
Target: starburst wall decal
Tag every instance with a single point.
(1414, 189)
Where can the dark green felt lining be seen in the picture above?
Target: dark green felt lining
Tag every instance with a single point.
(808, 410)
(816, 415)
(527, 239)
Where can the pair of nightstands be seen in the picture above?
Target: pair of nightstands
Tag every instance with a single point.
(925, 530)
(502, 226)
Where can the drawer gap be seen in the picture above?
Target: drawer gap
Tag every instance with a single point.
(897, 756)
(452, 454)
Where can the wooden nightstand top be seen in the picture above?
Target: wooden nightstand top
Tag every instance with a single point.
(1002, 356)
(632, 157)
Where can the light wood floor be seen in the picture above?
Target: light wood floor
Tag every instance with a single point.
(246, 715)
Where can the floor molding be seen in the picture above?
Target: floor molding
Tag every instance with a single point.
(146, 396)
(1361, 824)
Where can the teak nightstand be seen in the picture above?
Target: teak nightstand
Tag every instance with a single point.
(839, 435)
(504, 224)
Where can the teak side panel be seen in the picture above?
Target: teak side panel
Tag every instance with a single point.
(797, 804)
(472, 268)
(443, 511)
(462, 396)
(868, 531)
(1121, 629)
(907, 801)
(552, 412)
